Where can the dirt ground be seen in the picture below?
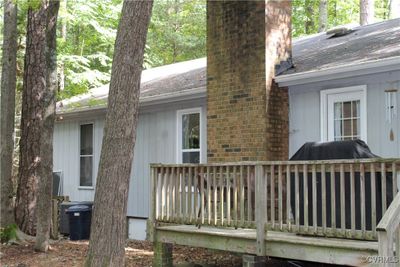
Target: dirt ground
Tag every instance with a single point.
(67, 253)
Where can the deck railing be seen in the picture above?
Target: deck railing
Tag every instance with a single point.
(389, 235)
(336, 198)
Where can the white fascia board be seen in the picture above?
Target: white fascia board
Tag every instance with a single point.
(143, 102)
(338, 72)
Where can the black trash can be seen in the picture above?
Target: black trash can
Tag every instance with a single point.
(80, 217)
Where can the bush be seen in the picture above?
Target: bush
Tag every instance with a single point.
(8, 233)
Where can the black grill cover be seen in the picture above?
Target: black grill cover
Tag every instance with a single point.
(353, 149)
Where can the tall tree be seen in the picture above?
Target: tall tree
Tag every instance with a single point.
(8, 87)
(108, 230)
(367, 12)
(48, 116)
(34, 116)
(323, 15)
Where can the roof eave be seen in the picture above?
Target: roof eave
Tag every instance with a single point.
(189, 94)
(338, 72)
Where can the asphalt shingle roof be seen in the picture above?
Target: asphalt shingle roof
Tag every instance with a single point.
(312, 53)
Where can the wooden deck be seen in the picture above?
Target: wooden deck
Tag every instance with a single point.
(278, 244)
(339, 212)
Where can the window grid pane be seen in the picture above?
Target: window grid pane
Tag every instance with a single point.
(347, 120)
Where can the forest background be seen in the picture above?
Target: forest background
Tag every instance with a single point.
(177, 32)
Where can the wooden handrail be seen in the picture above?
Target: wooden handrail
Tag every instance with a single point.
(391, 219)
(297, 162)
(389, 235)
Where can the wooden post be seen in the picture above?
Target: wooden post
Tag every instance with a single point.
(162, 254)
(54, 219)
(151, 222)
(260, 210)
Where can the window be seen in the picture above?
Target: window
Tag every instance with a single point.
(86, 155)
(189, 139)
(347, 120)
(343, 114)
(57, 183)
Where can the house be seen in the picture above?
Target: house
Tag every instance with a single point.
(341, 87)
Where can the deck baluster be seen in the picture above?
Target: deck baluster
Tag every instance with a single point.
(249, 195)
(280, 197)
(215, 195)
(297, 196)
(305, 196)
(373, 199)
(221, 193)
(323, 197)
(190, 195)
(235, 197)
(394, 183)
(272, 193)
(209, 195)
(241, 197)
(288, 196)
(333, 198)
(362, 199)
(352, 201)
(196, 194)
(383, 183)
(314, 197)
(202, 180)
(228, 195)
(342, 201)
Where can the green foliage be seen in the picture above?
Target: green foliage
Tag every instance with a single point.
(8, 233)
(177, 32)
(85, 51)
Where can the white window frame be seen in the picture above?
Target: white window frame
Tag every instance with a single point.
(179, 150)
(351, 93)
(79, 154)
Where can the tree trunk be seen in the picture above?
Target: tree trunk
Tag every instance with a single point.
(43, 207)
(108, 229)
(323, 15)
(309, 23)
(34, 85)
(8, 87)
(367, 12)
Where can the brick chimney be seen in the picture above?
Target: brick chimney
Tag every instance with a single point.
(247, 113)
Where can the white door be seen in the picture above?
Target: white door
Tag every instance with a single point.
(345, 114)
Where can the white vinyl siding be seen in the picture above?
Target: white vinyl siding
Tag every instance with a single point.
(305, 121)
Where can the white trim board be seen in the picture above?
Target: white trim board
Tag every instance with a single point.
(349, 93)
(339, 72)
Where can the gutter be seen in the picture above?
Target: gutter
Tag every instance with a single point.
(338, 72)
(143, 102)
